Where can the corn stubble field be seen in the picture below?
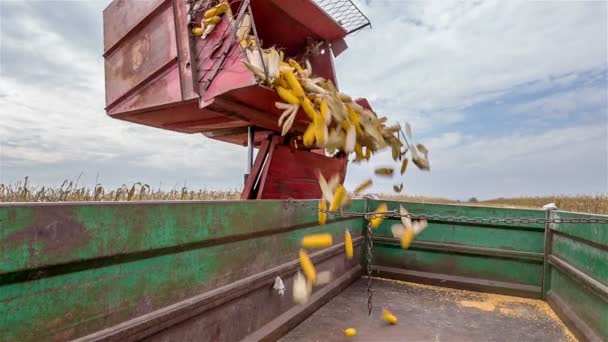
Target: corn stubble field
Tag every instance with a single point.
(71, 191)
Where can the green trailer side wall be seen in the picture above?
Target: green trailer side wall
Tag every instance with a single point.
(577, 272)
(508, 253)
(67, 270)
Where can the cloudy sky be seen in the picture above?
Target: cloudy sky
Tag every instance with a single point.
(509, 96)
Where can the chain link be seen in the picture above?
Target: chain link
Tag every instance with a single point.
(368, 256)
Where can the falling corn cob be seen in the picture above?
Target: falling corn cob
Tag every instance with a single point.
(307, 267)
(407, 238)
(338, 198)
(198, 31)
(377, 218)
(350, 332)
(287, 95)
(363, 186)
(317, 240)
(322, 213)
(404, 165)
(389, 317)
(348, 244)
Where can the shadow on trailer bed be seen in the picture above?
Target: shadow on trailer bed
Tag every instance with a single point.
(204, 271)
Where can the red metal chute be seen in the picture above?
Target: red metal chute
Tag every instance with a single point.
(159, 74)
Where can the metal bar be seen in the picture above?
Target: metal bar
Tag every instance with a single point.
(250, 143)
(545, 281)
(573, 272)
(449, 247)
(458, 282)
(257, 41)
(571, 319)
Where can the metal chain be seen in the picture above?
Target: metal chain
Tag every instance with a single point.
(368, 256)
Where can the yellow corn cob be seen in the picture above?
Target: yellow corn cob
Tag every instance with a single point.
(389, 317)
(295, 86)
(384, 171)
(308, 108)
(317, 240)
(406, 238)
(338, 197)
(377, 219)
(350, 332)
(281, 81)
(404, 165)
(212, 21)
(348, 244)
(252, 42)
(363, 186)
(243, 43)
(287, 95)
(198, 31)
(320, 130)
(322, 213)
(295, 65)
(217, 10)
(307, 267)
(324, 109)
(358, 152)
(309, 135)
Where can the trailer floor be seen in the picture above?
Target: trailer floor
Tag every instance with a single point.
(430, 313)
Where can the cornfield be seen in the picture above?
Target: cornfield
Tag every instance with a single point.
(71, 191)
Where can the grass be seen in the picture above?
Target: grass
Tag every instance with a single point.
(71, 191)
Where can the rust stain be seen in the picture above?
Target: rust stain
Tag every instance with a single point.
(58, 231)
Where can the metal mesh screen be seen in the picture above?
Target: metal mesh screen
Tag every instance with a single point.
(345, 13)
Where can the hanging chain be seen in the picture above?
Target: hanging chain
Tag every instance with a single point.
(368, 256)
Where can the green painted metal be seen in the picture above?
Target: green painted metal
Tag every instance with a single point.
(69, 270)
(498, 237)
(585, 248)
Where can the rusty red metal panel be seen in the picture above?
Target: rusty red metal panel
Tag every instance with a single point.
(289, 23)
(294, 173)
(141, 56)
(183, 46)
(323, 64)
(121, 16)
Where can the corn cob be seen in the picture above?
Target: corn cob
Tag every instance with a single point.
(244, 43)
(295, 86)
(295, 65)
(377, 218)
(384, 171)
(398, 188)
(216, 11)
(212, 21)
(287, 95)
(358, 152)
(317, 240)
(308, 108)
(348, 244)
(404, 165)
(322, 213)
(350, 332)
(407, 238)
(198, 31)
(388, 316)
(345, 98)
(309, 135)
(307, 267)
(338, 197)
(320, 129)
(363, 186)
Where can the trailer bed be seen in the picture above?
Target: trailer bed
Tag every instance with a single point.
(430, 313)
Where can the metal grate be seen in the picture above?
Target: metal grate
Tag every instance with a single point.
(345, 13)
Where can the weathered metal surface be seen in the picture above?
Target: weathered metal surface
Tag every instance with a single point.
(71, 269)
(457, 282)
(508, 253)
(428, 313)
(578, 275)
(247, 295)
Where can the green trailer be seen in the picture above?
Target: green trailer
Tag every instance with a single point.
(204, 271)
